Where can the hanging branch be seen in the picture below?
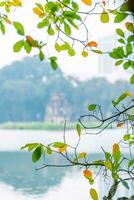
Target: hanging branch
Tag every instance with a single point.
(109, 120)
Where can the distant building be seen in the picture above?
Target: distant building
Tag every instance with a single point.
(57, 110)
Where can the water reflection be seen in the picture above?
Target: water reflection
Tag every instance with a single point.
(20, 180)
(17, 170)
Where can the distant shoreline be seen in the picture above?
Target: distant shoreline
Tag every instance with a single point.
(36, 126)
(40, 126)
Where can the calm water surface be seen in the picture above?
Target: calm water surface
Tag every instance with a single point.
(20, 181)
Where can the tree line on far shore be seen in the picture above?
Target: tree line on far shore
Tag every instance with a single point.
(27, 88)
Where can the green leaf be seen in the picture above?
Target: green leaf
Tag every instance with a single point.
(119, 62)
(91, 181)
(44, 23)
(66, 2)
(53, 62)
(117, 156)
(49, 150)
(67, 29)
(40, 25)
(18, 46)
(107, 156)
(121, 41)
(40, 7)
(132, 111)
(120, 32)
(114, 103)
(132, 64)
(92, 107)
(53, 58)
(98, 162)
(108, 165)
(27, 46)
(132, 79)
(50, 30)
(41, 55)
(73, 24)
(131, 163)
(104, 17)
(97, 51)
(130, 38)
(58, 144)
(19, 27)
(126, 65)
(114, 55)
(75, 6)
(115, 177)
(2, 27)
(71, 15)
(121, 98)
(37, 153)
(124, 7)
(117, 53)
(93, 194)
(78, 128)
(7, 8)
(30, 147)
(57, 47)
(125, 184)
(116, 152)
(24, 147)
(2, 3)
(65, 46)
(71, 52)
(120, 17)
(129, 49)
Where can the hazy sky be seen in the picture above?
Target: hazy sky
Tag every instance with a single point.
(82, 67)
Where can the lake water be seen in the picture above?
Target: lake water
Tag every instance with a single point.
(20, 181)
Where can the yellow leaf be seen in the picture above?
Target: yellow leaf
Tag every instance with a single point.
(94, 194)
(88, 173)
(104, 3)
(129, 94)
(7, 20)
(87, 2)
(38, 12)
(92, 44)
(82, 155)
(120, 125)
(31, 41)
(116, 148)
(17, 3)
(108, 165)
(130, 27)
(132, 111)
(84, 54)
(62, 149)
(104, 17)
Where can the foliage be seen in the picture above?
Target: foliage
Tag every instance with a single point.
(27, 87)
(61, 19)
(114, 163)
